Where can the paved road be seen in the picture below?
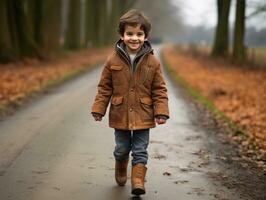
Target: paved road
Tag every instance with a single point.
(52, 149)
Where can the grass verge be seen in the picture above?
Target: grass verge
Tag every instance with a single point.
(252, 150)
(208, 104)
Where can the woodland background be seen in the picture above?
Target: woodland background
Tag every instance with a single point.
(43, 42)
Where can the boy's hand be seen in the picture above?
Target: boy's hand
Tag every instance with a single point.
(97, 116)
(160, 119)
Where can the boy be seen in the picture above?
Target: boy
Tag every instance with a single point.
(133, 80)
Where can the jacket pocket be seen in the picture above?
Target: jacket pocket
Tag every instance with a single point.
(146, 108)
(146, 100)
(117, 100)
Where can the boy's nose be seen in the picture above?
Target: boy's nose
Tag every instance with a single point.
(134, 37)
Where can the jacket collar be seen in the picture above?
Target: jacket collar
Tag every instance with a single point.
(121, 50)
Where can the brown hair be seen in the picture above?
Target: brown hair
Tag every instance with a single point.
(133, 18)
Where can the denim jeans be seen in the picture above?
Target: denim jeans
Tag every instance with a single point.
(136, 141)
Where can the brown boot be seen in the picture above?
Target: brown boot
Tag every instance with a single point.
(121, 172)
(137, 179)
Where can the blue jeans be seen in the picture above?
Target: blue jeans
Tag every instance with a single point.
(136, 141)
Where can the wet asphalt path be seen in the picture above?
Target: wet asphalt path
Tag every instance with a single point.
(53, 149)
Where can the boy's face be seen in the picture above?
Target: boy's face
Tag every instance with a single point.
(134, 38)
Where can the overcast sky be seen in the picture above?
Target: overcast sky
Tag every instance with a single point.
(203, 12)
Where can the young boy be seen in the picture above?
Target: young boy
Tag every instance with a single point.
(132, 79)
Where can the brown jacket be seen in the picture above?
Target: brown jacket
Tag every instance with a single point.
(138, 92)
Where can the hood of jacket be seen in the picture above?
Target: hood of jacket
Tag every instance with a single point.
(121, 50)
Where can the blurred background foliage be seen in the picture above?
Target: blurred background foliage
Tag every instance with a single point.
(39, 28)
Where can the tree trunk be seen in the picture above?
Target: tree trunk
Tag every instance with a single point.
(52, 25)
(12, 28)
(115, 15)
(73, 25)
(102, 20)
(6, 53)
(35, 14)
(103, 32)
(97, 23)
(239, 32)
(22, 41)
(220, 47)
(25, 43)
(91, 25)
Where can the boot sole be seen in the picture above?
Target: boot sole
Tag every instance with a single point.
(121, 184)
(138, 191)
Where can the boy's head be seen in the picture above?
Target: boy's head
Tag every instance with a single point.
(133, 18)
(134, 28)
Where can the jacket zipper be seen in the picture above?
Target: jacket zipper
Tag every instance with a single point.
(131, 66)
(141, 59)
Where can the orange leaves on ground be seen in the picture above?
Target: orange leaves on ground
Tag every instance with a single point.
(239, 92)
(19, 79)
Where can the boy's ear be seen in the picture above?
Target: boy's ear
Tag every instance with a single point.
(122, 38)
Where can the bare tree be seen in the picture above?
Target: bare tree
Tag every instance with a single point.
(5, 39)
(220, 46)
(52, 25)
(35, 14)
(239, 31)
(72, 40)
(259, 9)
(23, 42)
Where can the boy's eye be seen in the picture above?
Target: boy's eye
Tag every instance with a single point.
(129, 33)
(140, 34)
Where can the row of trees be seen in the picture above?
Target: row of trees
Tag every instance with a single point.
(39, 27)
(221, 41)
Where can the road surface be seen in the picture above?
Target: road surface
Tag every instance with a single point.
(53, 149)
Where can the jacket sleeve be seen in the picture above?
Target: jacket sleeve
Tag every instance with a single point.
(159, 93)
(105, 91)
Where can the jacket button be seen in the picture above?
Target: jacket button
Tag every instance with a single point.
(130, 109)
(132, 89)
